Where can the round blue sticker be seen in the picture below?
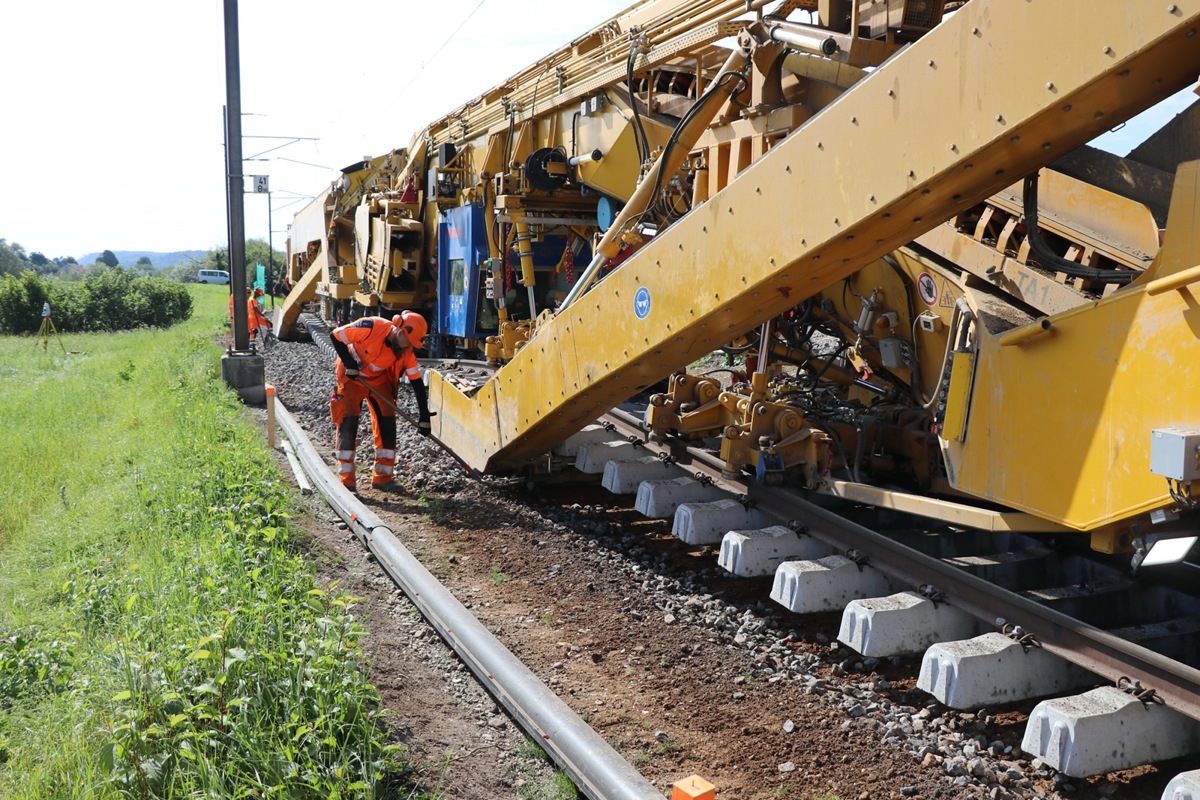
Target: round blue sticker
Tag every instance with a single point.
(641, 302)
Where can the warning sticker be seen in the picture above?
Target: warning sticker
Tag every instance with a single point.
(947, 297)
(927, 288)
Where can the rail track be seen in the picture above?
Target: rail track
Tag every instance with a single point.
(1118, 652)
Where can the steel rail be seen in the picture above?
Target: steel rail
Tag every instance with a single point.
(594, 766)
(1085, 645)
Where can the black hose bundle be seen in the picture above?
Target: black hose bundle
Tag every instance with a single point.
(1048, 259)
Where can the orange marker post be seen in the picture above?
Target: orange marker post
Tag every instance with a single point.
(693, 787)
(270, 416)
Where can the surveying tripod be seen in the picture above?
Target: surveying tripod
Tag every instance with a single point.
(47, 328)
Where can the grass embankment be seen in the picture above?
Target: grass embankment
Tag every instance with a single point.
(159, 636)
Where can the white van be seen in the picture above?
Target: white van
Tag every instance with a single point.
(213, 276)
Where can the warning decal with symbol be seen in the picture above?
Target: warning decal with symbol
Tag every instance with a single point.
(927, 288)
(641, 303)
(947, 297)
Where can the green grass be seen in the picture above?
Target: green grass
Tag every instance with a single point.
(557, 787)
(437, 510)
(159, 634)
(666, 745)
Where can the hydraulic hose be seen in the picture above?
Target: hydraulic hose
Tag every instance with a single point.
(597, 769)
(668, 162)
(639, 133)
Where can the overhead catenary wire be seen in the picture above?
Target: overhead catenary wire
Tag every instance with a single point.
(421, 69)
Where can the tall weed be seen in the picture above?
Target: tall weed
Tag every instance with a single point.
(160, 634)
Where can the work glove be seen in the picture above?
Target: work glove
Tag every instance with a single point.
(351, 372)
(423, 426)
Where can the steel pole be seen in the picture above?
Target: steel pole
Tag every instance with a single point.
(270, 252)
(234, 178)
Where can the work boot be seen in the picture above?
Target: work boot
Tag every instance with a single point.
(384, 484)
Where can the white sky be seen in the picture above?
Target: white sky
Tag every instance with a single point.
(112, 133)
(113, 140)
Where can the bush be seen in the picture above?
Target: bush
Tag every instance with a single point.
(21, 302)
(112, 300)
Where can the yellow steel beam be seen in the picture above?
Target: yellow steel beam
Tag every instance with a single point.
(991, 94)
(944, 510)
(302, 291)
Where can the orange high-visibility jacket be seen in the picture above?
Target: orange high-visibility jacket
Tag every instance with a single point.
(366, 339)
(254, 317)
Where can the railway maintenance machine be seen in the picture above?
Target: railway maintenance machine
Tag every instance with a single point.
(940, 298)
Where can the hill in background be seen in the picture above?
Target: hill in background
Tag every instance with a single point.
(129, 258)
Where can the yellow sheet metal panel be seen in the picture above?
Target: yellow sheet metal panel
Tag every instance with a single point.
(1076, 449)
(616, 172)
(1123, 228)
(1035, 288)
(465, 424)
(958, 396)
(1062, 426)
(547, 375)
(928, 134)
(1181, 244)
(1113, 219)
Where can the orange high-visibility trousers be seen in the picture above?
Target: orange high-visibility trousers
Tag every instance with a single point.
(345, 407)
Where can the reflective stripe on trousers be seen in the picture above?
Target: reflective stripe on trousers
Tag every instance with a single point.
(385, 465)
(345, 467)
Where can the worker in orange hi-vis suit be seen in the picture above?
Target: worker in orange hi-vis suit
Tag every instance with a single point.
(375, 352)
(254, 316)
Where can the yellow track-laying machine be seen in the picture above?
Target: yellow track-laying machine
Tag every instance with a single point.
(928, 291)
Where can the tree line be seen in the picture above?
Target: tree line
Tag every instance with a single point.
(14, 261)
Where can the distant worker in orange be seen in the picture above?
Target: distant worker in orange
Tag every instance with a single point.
(375, 352)
(254, 315)
(231, 307)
